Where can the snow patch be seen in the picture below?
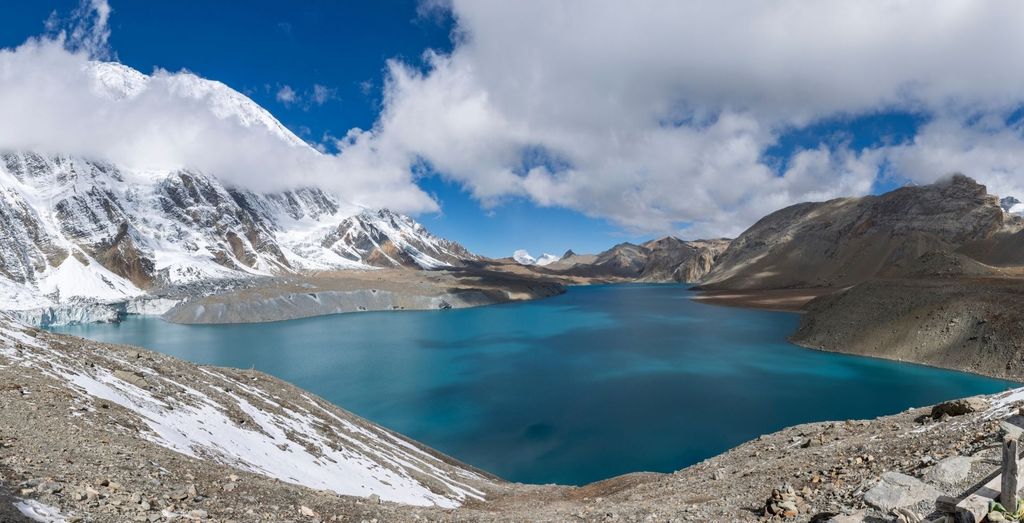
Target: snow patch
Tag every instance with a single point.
(201, 428)
(73, 279)
(39, 512)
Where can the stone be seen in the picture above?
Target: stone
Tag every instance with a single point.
(49, 487)
(306, 511)
(131, 377)
(950, 471)
(198, 513)
(373, 499)
(178, 494)
(897, 490)
(856, 517)
(959, 407)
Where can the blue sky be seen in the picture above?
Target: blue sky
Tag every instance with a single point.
(652, 134)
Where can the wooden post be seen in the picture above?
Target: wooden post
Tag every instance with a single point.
(1008, 494)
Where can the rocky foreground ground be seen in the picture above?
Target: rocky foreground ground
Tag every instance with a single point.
(104, 433)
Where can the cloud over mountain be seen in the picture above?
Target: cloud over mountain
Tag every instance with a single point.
(56, 98)
(659, 113)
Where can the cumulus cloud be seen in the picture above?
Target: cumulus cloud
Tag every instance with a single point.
(54, 101)
(657, 114)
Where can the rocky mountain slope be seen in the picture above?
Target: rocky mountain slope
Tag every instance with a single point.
(931, 274)
(848, 240)
(182, 424)
(969, 323)
(663, 260)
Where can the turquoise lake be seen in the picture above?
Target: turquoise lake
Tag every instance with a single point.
(600, 381)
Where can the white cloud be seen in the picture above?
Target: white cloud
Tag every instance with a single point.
(87, 29)
(322, 94)
(286, 95)
(657, 114)
(318, 95)
(985, 147)
(53, 103)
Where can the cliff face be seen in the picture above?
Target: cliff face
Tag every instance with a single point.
(664, 260)
(846, 241)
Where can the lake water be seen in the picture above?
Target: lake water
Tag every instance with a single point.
(600, 381)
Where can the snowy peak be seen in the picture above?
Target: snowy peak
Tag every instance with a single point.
(383, 238)
(1012, 205)
(119, 81)
(523, 257)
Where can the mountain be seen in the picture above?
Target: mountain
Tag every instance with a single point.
(848, 240)
(118, 81)
(1012, 205)
(383, 238)
(665, 259)
(523, 257)
(76, 228)
(926, 274)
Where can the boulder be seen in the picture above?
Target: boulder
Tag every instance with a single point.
(959, 407)
(856, 517)
(897, 490)
(950, 471)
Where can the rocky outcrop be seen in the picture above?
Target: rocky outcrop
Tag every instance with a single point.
(849, 240)
(672, 259)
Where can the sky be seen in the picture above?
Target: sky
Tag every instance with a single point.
(541, 124)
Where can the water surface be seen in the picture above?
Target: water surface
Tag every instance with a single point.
(601, 381)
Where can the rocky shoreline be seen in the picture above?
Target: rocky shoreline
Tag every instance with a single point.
(319, 294)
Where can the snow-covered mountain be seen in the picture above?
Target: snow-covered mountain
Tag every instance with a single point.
(384, 238)
(119, 81)
(1012, 205)
(523, 257)
(74, 228)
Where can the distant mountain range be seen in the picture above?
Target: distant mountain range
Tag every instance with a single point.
(664, 260)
